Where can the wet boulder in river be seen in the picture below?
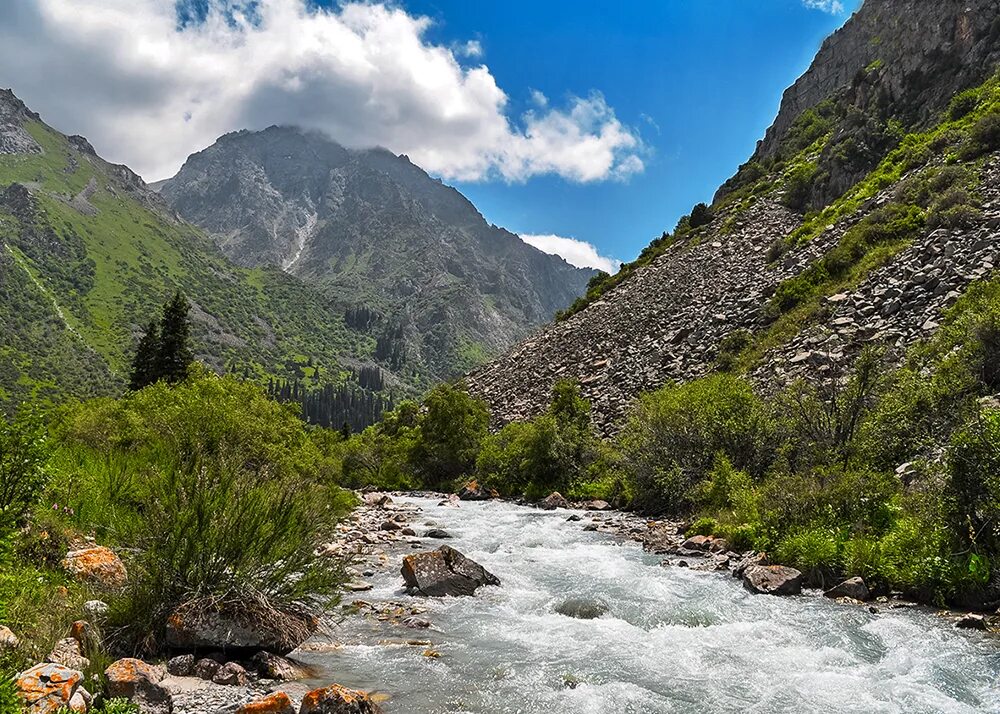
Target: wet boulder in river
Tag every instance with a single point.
(445, 571)
(772, 580)
(473, 491)
(553, 501)
(582, 609)
(853, 588)
(438, 533)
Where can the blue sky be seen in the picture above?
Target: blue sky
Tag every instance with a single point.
(592, 121)
(700, 80)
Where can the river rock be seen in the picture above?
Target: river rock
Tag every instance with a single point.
(582, 609)
(705, 543)
(139, 682)
(181, 665)
(271, 666)
(971, 621)
(205, 668)
(748, 560)
(274, 703)
(437, 533)
(47, 688)
(596, 505)
(854, 588)
(390, 526)
(203, 624)
(98, 566)
(232, 674)
(445, 571)
(553, 501)
(472, 491)
(377, 500)
(338, 700)
(772, 580)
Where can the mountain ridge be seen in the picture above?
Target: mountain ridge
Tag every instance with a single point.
(350, 221)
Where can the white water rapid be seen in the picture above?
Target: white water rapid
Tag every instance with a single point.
(672, 640)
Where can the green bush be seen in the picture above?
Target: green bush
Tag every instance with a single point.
(675, 434)
(451, 430)
(974, 468)
(731, 347)
(10, 703)
(24, 454)
(984, 137)
(814, 551)
(703, 527)
(215, 492)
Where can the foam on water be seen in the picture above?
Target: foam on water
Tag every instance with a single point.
(672, 640)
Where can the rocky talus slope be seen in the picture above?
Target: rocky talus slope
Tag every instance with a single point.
(828, 164)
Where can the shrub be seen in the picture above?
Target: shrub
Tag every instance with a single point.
(451, 430)
(963, 104)
(700, 216)
(984, 137)
(798, 186)
(974, 467)
(731, 347)
(814, 551)
(675, 434)
(10, 703)
(24, 454)
(702, 526)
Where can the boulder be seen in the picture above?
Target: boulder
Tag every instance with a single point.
(445, 571)
(574, 518)
(181, 665)
(233, 674)
(748, 560)
(553, 501)
(97, 566)
(582, 609)
(47, 688)
(205, 668)
(972, 621)
(68, 653)
(338, 700)
(772, 580)
(96, 609)
(853, 588)
(206, 624)
(390, 526)
(472, 491)
(274, 703)
(437, 533)
(8, 640)
(82, 632)
(451, 500)
(596, 505)
(378, 500)
(139, 682)
(271, 666)
(706, 543)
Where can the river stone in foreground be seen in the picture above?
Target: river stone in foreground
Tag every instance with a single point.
(445, 571)
(772, 580)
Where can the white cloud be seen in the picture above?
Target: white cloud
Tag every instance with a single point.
(576, 252)
(834, 7)
(472, 48)
(147, 93)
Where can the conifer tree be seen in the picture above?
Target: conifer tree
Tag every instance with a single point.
(144, 364)
(174, 355)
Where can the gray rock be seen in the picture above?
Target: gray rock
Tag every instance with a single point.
(553, 501)
(582, 609)
(772, 580)
(444, 571)
(437, 533)
(271, 666)
(233, 674)
(181, 665)
(854, 588)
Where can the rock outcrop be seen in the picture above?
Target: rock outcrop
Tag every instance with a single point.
(443, 572)
(97, 565)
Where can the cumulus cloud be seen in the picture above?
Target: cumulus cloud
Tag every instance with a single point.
(148, 91)
(576, 252)
(834, 7)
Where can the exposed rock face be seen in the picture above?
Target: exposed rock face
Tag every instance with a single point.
(444, 571)
(375, 233)
(97, 565)
(14, 137)
(772, 580)
(47, 688)
(139, 682)
(338, 700)
(199, 624)
(926, 52)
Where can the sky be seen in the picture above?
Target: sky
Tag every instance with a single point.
(586, 127)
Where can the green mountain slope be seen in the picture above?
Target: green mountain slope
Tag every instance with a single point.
(88, 253)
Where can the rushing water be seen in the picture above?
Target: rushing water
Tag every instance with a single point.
(673, 640)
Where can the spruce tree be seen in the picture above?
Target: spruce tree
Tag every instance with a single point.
(144, 364)
(174, 356)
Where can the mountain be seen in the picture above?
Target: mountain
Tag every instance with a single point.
(88, 253)
(407, 259)
(870, 206)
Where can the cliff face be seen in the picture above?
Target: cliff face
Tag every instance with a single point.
(892, 70)
(437, 286)
(925, 52)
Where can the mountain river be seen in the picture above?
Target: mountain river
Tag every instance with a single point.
(673, 640)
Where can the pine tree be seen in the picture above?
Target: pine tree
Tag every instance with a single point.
(144, 364)
(175, 356)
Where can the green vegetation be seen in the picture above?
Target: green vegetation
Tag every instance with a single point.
(164, 351)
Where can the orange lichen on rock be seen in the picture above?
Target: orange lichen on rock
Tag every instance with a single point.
(97, 565)
(277, 703)
(48, 687)
(336, 699)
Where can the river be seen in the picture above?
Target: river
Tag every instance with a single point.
(673, 640)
